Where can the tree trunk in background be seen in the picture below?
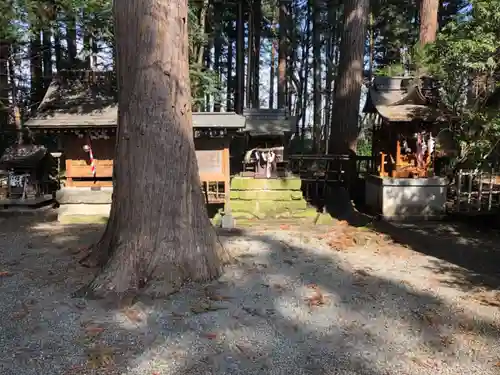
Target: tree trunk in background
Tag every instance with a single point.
(217, 65)
(250, 57)
(36, 67)
(4, 84)
(239, 87)
(159, 234)
(282, 49)
(272, 69)
(317, 76)
(428, 21)
(58, 50)
(230, 98)
(47, 58)
(257, 25)
(71, 41)
(330, 65)
(87, 47)
(344, 129)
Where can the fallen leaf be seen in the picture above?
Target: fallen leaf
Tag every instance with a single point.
(100, 356)
(133, 315)
(317, 299)
(93, 330)
(5, 274)
(279, 287)
(211, 336)
(217, 297)
(204, 307)
(22, 313)
(19, 315)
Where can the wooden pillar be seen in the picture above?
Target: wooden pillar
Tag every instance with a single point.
(398, 156)
(69, 178)
(227, 179)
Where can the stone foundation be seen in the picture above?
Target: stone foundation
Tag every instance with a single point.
(250, 199)
(82, 204)
(402, 199)
(268, 198)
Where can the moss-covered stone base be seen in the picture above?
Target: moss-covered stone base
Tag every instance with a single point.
(253, 198)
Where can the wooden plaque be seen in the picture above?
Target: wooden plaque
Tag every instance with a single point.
(210, 161)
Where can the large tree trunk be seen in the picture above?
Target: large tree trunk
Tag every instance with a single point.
(159, 234)
(428, 21)
(349, 80)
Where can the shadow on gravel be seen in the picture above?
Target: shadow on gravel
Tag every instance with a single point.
(469, 256)
(259, 322)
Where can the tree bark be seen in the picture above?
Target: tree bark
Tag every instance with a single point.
(257, 25)
(159, 234)
(344, 129)
(36, 67)
(47, 57)
(239, 95)
(4, 84)
(230, 83)
(428, 21)
(317, 74)
(282, 49)
(71, 41)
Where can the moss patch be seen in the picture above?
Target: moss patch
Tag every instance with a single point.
(248, 183)
(267, 208)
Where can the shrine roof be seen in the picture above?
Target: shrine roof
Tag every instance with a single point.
(89, 100)
(400, 99)
(266, 121)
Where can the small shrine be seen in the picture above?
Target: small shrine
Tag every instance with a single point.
(28, 177)
(80, 109)
(264, 188)
(407, 117)
(267, 134)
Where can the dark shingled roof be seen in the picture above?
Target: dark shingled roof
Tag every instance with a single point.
(88, 100)
(400, 99)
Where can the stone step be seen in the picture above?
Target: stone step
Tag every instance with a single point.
(249, 183)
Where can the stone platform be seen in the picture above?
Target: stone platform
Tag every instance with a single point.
(250, 199)
(407, 199)
(83, 204)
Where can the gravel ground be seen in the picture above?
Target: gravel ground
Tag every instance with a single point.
(290, 305)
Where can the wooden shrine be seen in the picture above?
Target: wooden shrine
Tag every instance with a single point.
(407, 120)
(267, 134)
(80, 108)
(28, 176)
(407, 117)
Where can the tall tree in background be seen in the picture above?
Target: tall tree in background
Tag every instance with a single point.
(159, 232)
(428, 21)
(344, 128)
